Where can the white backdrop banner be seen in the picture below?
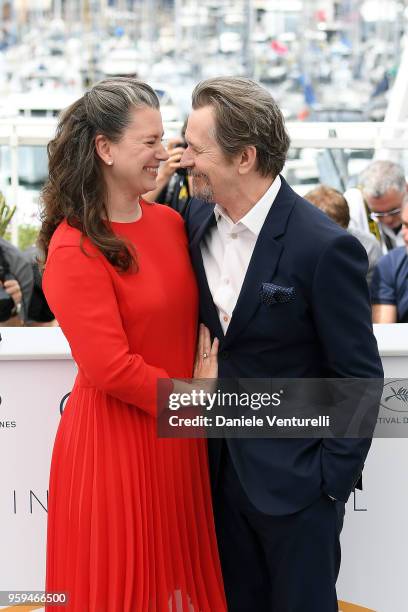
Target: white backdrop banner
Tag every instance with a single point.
(31, 393)
(36, 374)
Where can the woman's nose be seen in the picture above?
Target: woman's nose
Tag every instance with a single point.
(162, 153)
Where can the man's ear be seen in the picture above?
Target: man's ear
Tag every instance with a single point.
(247, 160)
(103, 148)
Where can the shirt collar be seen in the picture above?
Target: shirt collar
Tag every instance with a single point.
(255, 218)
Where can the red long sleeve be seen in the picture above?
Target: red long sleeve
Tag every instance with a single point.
(81, 294)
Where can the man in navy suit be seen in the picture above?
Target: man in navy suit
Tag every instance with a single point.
(284, 290)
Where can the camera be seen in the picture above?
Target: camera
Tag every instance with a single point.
(6, 302)
(182, 171)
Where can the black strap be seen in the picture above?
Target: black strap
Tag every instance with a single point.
(388, 241)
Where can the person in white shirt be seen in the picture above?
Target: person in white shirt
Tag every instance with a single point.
(375, 205)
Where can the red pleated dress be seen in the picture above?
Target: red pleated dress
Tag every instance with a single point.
(130, 525)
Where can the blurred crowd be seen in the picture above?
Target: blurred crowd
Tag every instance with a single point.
(22, 300)
(375, 212)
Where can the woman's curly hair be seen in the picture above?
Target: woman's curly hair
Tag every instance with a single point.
(76, 189)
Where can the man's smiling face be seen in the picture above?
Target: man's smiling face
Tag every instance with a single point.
(213, 173)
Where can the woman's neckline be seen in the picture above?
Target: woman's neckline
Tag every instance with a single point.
(141, 203)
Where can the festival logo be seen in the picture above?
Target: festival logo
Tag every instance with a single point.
(395, 395)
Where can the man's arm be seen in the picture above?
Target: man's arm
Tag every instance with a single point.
(342, 312)
(14, 291)
(383, 296)
(384, 313)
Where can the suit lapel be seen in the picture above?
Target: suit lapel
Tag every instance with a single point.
(208, 310)
(261, 267)
(263, 262)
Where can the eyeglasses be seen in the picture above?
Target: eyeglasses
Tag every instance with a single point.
(381, 215)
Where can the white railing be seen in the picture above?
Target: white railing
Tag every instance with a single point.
(362, 135)
(324, 135)
(18, 132)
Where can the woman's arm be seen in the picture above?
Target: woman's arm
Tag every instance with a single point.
(81, 294)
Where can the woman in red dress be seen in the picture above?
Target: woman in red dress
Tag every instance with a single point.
(130, 526)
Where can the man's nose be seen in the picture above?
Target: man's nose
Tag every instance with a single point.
(391, 219)
(187, 160)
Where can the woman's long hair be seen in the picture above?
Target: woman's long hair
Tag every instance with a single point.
(76, 189)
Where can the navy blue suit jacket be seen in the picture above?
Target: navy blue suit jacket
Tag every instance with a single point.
(325, 331)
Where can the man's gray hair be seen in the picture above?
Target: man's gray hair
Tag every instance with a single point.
(245, 115)
(382, 176)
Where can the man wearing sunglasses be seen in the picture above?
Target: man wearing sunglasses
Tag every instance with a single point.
(375, 206)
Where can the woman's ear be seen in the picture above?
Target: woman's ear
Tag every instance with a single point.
(247, 160)
(104, 149)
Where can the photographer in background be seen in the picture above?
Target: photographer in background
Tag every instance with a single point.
(375, 206)
(39, 313)
(16, 285)
(173, 184)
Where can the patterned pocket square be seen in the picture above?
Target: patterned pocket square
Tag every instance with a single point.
(275, 294)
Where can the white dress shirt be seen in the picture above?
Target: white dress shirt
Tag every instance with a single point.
(227, 250)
